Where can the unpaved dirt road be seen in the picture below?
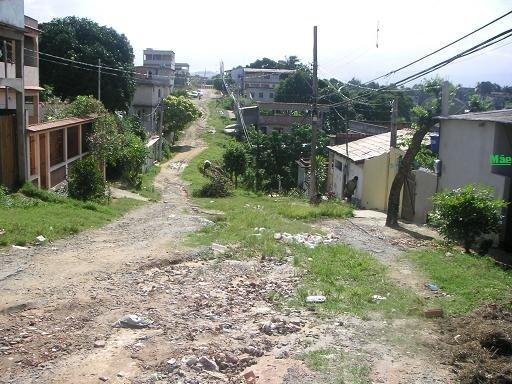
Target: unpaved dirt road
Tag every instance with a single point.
(213, 320)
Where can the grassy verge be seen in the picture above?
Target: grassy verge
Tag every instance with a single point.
(147, 188)
(335, 367)
(23, 218)
(469, 280)
(349, 279)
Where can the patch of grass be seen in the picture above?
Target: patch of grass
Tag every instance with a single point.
(56, 217)
(469, 280)
(336, 368)
(147, 188)
(300, 209)
(349, 278)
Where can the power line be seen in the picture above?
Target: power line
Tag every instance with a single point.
(440, 49)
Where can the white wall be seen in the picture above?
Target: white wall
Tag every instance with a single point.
(465, 148)
(12, 13)
(425, 189)
(353, 170)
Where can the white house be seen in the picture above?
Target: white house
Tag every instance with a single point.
(467, 144)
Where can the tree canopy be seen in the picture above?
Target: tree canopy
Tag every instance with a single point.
(84, 40)
(178, 112)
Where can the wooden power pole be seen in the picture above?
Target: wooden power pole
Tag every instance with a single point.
(314, 119)
(99, 79)
(394, 117)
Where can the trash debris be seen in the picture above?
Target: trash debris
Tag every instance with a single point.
(99, 343)
(250, 377)
(315, 299)
(218, 248)
(378, 298)
(307, 239)
(448, 254)
(433, 287)
(2, 231)
(132, 321)
(19, 247)
(40, 240)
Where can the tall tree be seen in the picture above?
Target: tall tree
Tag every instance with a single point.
(424, 117)
(84, 40)
(295, 88)
(264, 63)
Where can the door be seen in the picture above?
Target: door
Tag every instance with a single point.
(8, 158)
(43, 161)
(408, 198)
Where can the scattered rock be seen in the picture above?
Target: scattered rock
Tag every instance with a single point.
(132, 321)
(315, 299)
(309, 240)
(433, 312)
(208, 364)
(99, 343)
(278, 236)
(431, 286)
(103, 378)
(250, 377)
(190, 361)
(40, 240)
(218, 248)
(19, 247)
(253, 351)
(448, 254)
(121, 374)
(377, 298)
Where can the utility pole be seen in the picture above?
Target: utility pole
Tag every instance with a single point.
(445, 101)
(314, 119)
(99, 79)
(160, 131)
(394, 117)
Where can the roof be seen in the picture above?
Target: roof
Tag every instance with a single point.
(499, 116)
(368, 147)
(268, 70)
(63, 123)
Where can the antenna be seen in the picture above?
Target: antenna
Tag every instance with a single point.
(377, 40)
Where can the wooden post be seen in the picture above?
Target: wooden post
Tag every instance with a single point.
(314, 119)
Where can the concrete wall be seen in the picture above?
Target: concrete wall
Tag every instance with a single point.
(12, 12)
(465, 148)
(425, 189)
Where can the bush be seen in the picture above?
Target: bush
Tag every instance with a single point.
(214, 188)
(132, 155)
(465, 214)
(30, 190)
(86, 180)
(235, 161)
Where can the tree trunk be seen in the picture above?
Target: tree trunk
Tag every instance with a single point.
(403, 170)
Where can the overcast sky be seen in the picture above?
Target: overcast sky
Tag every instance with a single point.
(238, 32)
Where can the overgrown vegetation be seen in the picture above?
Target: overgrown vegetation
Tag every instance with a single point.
(179, 111)
(466, 214)
(470, 281)
(86, 180)
(32, 212)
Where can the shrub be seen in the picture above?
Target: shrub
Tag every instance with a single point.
(86, 180)
(31, 190)
(235, 161)
(214, 188)
(464, 214)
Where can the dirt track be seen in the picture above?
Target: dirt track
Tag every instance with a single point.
(65, 297)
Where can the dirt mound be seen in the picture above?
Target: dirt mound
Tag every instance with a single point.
(481, 345)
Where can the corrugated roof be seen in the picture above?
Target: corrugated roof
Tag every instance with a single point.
(499, 116)
(368, 147)
(63, 123)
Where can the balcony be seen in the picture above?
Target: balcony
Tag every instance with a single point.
(31, 74)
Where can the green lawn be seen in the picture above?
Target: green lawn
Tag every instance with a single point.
(23, 218)
(469, 280)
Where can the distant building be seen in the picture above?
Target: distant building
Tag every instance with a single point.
(154, 81)
(258, 84)
(182, 75)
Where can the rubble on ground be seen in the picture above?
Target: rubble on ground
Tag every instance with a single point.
(307, 239)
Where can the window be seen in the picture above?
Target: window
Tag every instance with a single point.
(72, 142)
(260, 95)
(339, 165)
(56, 147)
(159, 92)
(271, 95)
(33, 166)
(86, 132)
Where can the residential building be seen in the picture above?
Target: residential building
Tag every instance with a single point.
(258, 84)
(154, 81)
(19, 89)
(467, 144)
(373, 161)
(182, 75)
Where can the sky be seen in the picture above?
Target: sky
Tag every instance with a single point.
(237, 32)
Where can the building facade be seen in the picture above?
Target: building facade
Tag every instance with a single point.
(182, 76)
(19, 89)
(154, 81)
